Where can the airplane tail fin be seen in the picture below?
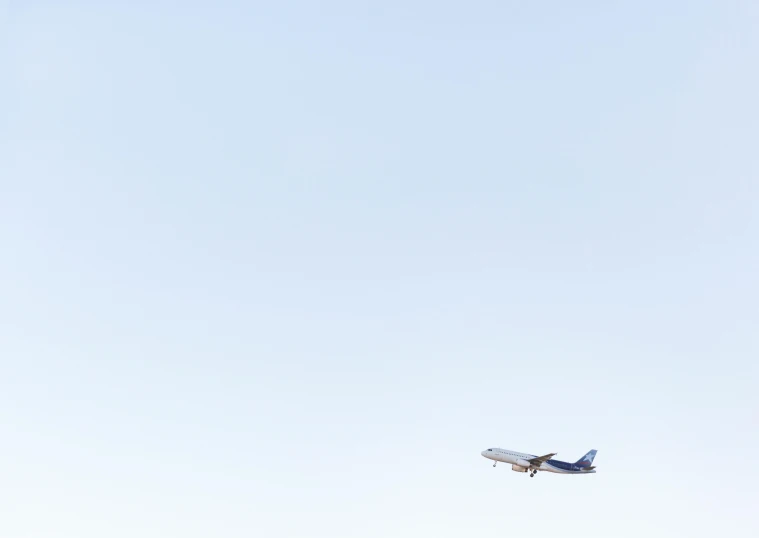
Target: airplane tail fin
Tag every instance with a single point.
(587, 459)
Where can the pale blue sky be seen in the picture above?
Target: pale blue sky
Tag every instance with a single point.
(285, 270)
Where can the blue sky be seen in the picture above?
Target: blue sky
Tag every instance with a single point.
(285, 270)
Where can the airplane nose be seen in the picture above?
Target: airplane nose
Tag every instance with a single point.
(483, 453)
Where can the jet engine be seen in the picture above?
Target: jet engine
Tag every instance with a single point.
(523, 463)
(519, 468)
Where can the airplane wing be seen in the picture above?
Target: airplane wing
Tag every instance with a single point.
(542, 459)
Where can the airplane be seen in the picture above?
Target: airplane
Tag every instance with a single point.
(522, 463)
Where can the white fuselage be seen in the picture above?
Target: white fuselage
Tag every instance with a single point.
(520, 462)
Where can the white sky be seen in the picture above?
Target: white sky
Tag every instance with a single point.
(285, 270)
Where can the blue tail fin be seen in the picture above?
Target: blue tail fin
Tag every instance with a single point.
(587, 459)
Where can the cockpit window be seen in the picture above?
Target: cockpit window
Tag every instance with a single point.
(490, 450)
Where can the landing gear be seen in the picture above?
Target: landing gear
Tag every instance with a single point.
(533, 473)
(494, 464)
